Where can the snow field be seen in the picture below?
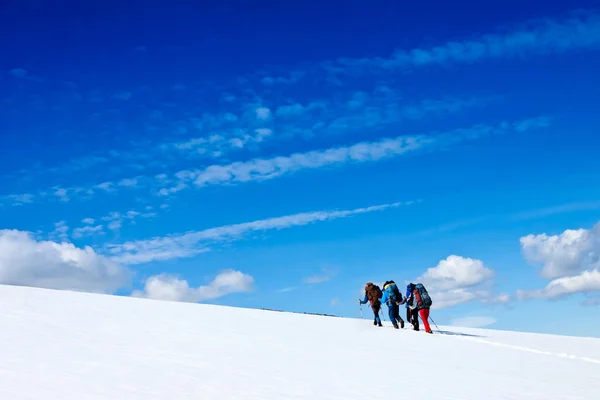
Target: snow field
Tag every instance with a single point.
(67, 345)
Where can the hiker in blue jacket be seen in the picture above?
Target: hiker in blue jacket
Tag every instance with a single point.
(393, 298)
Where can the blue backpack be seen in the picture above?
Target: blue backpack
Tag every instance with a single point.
(392, 291)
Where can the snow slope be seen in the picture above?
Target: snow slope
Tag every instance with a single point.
(67, 345)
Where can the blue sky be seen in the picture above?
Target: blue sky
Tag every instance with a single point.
(261, 154)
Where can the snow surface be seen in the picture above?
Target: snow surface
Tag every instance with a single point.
(67, 345)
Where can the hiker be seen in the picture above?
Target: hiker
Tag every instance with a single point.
(393, 298)
(418, 303)
(372, 295)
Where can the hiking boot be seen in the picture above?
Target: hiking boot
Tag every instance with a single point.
(374, 322)
(401, 323)
(380, 323)
(395, 325)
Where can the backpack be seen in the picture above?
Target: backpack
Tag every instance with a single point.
(421, 297)
(373, 293)
(392, 291)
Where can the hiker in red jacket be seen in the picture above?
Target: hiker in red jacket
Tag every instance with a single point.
(418, 301)
(372, 295)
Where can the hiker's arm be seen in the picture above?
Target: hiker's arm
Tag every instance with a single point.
(364, 301)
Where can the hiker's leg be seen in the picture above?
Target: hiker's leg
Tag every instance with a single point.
(397, 313)
(391, 313)
(408, 317)
(415, 319)
(376, 313)
(425, 317)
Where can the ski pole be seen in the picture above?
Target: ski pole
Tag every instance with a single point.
(360, 310)
(382, 315)
(436, 325)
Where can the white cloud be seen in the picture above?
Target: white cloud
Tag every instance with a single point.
(538, 37)
(457, 272)
(263, 169)
(170, 288)
(457, 280)
(193, 243)
(60, 231)
(128, 182)
(19, 199)
(25, 261)
(586, 282)
(108, 186)
(263, 113)
(62, 195)
(565, 254)
(286, 289)
(116, 219)
(217, 145)
(88, 221)
(172, 189)
(571, 260)
(473, 322)
(87, 231)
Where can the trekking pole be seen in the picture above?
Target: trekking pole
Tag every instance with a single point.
(360, 310)
(436, 325)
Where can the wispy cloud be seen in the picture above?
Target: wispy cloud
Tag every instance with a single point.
(263, 169)
(17, 199)
(324, 276)
(196, 242)
(260, 169)
(116, 219)
(537, 37)
(286, 289)
(250, 125)
(561, 209)
(87, 231)
(60, 231)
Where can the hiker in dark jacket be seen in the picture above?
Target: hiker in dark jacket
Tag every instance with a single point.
(393, 298)
(372, 295)
(414, 310)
